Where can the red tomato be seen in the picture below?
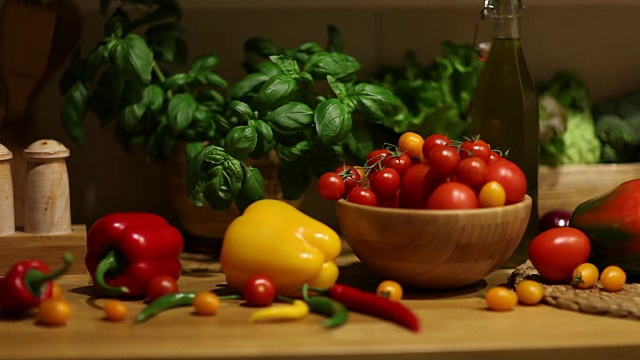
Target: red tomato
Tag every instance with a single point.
(432, 141)
(413, 193)
(475, 148)
(443, 160)
(511, 177)
(493, 156)
(259, 290)
(362, 196)
(401, 163)
(350, 175)
(375, 158)
(472, 171)
(452, 195)
(161, 285)
(555, 253)
(389, 201)
(331, 186)
(385, 182)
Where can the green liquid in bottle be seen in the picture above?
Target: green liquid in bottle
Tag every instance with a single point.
(504, 113)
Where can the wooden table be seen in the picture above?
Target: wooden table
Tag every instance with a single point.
(455, 325)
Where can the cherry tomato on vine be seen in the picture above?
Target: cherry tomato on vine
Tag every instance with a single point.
(491, 195)
(452, 195)
(529, 292)
(115, 310)
(475, 148)
(556, 252)
(161, 285)
(613, 278)
(500, 298)
(511, 177)
(54, 312)
(585, 276)
(362, 196)
(413, 192)
(432, 141)
(493, 156)
(472, 171)
(352, 176)
(331, 186)
(259, 290)
(376, 158)
(390, 289)
(401, 163)
(443, 160)
(411, 144)
(385, 182)
(206, 303)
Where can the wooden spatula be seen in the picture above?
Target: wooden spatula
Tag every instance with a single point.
(26, 32)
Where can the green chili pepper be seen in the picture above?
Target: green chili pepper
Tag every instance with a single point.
(170, 301)
(337, 312)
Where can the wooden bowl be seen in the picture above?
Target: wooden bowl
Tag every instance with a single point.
(436, 249)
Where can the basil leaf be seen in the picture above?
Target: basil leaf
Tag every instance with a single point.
(294, 179)
(336, 41)
(374, 102)
(291, 153)
(213, 177)
(359, 142)
(269, 68)
(74, 108)
(241, 141)
(211, 98)
(107, 95)
(243, 87)
(242, 110)
(337, 65)
(133, 58)
(252, 188)
(118, 24)
(290, 118)
(176, 81)
(338, 88)
(191, 148)
(261, 46)
(265, 141)
(181, 110)
(211, 79)
(167, 43)
(204, 63)
(155, 95)
(96, 59)
(289, 66)
(333, 121)
(276, 91)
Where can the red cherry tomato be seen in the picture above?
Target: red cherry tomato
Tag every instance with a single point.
(351, 176)
(452, 195)
(443, 160)
(376, 158)
(259, 290)
(555, 253)
(432, 141)
(391, 201)
(472, 171)
(413, 192)
(511, 177)
(362, 196)
(475, 148)
(401, 163)
(385, 182)
(331, 186)
(161, 285)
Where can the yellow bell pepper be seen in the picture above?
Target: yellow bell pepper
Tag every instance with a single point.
(275, 239)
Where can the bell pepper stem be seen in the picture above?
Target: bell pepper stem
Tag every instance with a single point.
(109, 262)
(36, 279)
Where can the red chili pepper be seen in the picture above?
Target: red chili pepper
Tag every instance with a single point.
(27, 283)
(126, 250)
(371, 304)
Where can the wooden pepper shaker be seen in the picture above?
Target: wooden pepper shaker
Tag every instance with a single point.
(7, 215)
(46, 195)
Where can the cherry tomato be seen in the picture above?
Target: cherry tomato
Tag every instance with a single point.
(443, 160)
(375, 159)
(385, 182)
(391, 201)
(493, 156)
(331, 186)
(259, 290)
(206, 303)
(352, 176)
(491, 195)
(472, 171)
(411, 144)
(475, 148)
(401, 163)
(500, 298)
(585, 276)
(115, 310)
(529, 292)
(413, 192)
(452, 195)
(161, 285)
(390, 289)
(511, 177)
(54, 312)
(613, 278)
(555, 253)
(432, 141)
(56, 290)
(362, 196)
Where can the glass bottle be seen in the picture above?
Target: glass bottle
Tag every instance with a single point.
(504, 109)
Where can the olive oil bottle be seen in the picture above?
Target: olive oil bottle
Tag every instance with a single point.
(504, 109)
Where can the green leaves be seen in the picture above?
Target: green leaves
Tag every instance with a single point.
(333, 121)
(132, 58)
(374, 101)
(276, 91)
(290, 118)
(323, 64)
(74, 108)
(181, 110)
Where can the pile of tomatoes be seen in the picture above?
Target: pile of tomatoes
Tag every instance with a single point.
(433, 172)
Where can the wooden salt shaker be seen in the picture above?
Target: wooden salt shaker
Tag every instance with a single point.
(7, 215)
(46, 194)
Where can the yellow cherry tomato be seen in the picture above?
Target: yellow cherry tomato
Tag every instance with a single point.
(56, 290)
(585, 276)
(529, 292)
(390, 289)
(500, 298)
(115, 310)
(206, 303)
(613, 278)
(411, 144)
(492, 194)
(54, 312)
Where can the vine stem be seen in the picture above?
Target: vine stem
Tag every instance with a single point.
(160, 75)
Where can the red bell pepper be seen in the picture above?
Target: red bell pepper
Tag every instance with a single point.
(126, 250)
(27, 283)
